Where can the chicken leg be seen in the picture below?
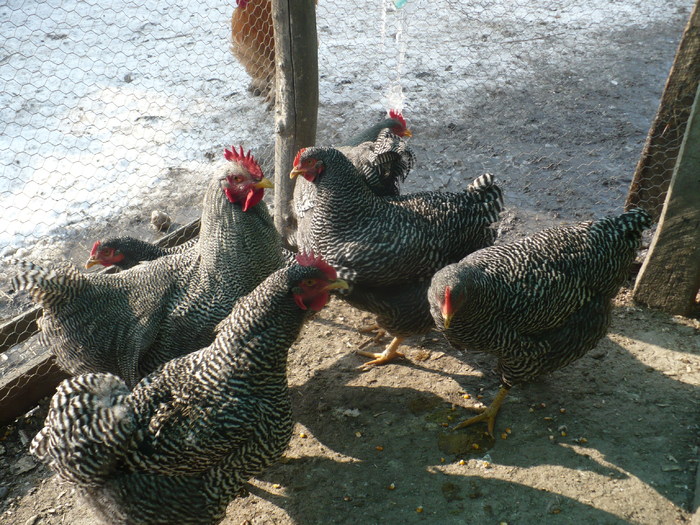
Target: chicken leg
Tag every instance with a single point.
(368, 329)
(389, 354)
(489, 414)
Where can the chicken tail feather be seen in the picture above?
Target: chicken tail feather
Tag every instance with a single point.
(47, 285)
(636, 220)
(90, 422)
(485, 189)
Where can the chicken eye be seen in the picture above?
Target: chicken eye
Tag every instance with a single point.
(310, 282)
(237, 179)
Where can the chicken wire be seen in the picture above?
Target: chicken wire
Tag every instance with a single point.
(111, 112)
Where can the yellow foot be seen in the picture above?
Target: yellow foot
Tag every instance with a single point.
(388, 355)
(489, 414)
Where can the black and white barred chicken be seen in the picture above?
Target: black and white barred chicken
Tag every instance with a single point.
(130, 322)
(181, 445)
(539, 303)
(389, 247)
(382, 156)
(127, 252)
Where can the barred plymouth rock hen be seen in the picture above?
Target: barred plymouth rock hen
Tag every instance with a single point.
(180, 447)
(127, 252)
(382, 156)
(394, 122)
(390, 246)
(130, 322)
(538, 303)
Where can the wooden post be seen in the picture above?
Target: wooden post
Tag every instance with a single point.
(670, 276)
(296, 56)
(651, 177)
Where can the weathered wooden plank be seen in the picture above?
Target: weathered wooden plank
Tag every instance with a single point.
(653, 173)
(19, 328)
(181, 235)
(670, 276)
(296, 96)
(24, 386)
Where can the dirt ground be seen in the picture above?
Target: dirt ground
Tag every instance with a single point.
(610, 439)
(613, 438)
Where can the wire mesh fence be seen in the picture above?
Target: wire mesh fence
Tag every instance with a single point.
(112, 112)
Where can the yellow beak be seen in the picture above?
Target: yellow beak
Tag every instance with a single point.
(295, 173)
(264, 183)
(407, 133)
(447, 319)
(338, 284)
(91, 262)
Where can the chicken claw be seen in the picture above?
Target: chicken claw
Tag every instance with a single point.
(489, 414)
(389, 354)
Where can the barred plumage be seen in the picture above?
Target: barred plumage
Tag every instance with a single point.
(181, 445)
(127, 252)
(390, 247)
(130, 322)
(541, 302)
(384, 162)
(382, 156)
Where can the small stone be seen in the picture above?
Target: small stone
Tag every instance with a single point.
(161, 221)
(23, 437)
(32, 520)
(4, 491)
(670, 468)
(24, 464)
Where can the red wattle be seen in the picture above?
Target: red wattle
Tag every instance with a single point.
(254, 196)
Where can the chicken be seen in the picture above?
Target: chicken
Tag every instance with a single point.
(382, 156)
(539, 303)
(394, 122)
(127, 252)
(390, 246)
(130, 322)
(180, 446)
(253, 45)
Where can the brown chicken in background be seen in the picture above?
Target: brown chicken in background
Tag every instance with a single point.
(253, 44)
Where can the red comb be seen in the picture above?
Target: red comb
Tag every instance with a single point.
(396, 115)
(95, 247)
(298, 157)
(247, 160)
(309, 259)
